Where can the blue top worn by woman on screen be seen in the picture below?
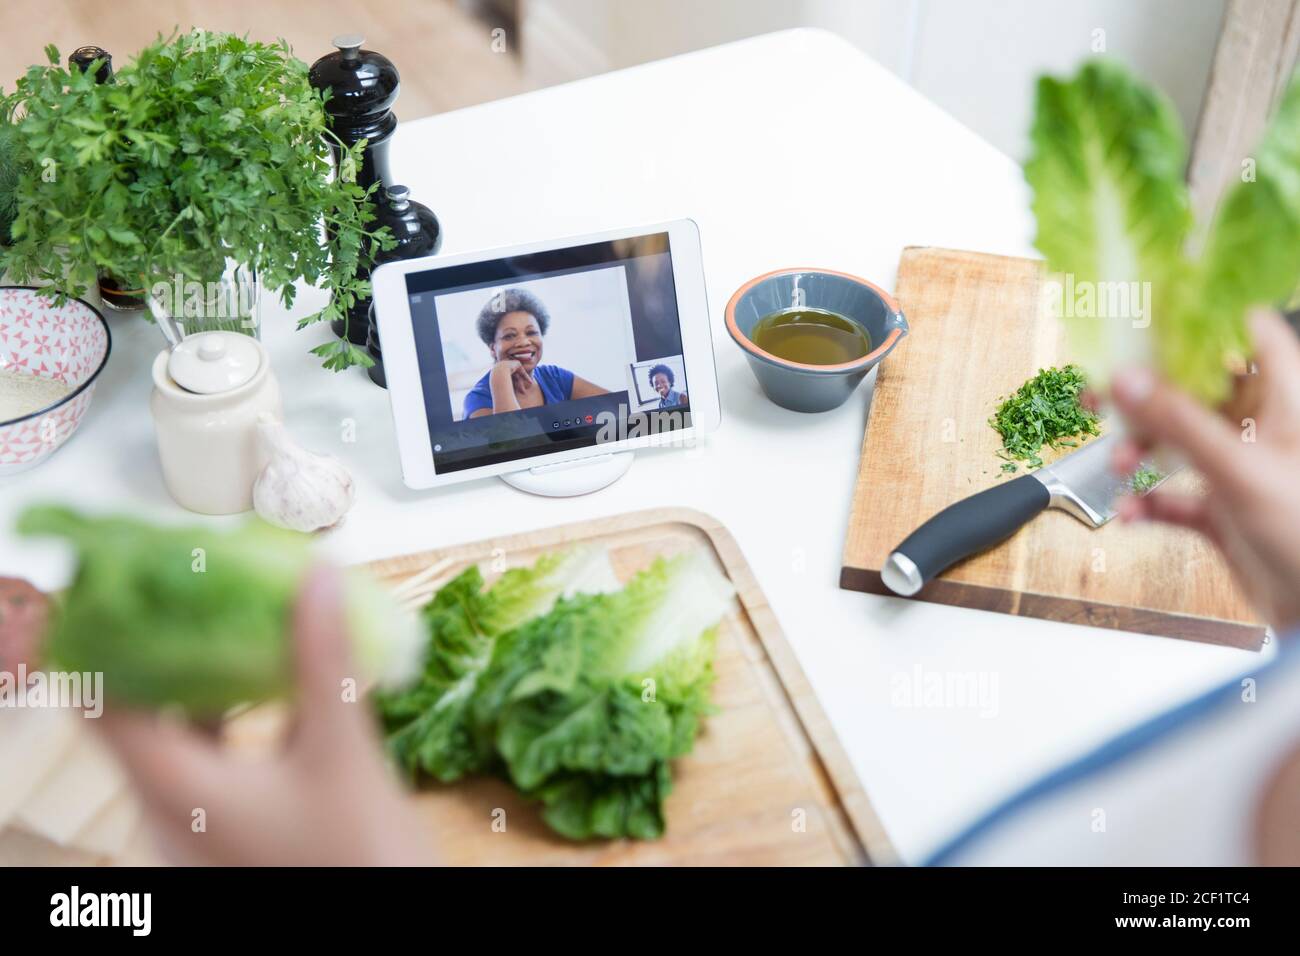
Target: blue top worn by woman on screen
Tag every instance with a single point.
(556, 384)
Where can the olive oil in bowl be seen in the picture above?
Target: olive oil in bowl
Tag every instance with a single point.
(810, 337)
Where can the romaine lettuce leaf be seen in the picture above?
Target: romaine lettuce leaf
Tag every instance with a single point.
(198, 617)
(587, 806)
(429, 724)
(1107, 174)
(1252, 255)
(582, 706)
(524, 593)
(590, 703)
(1106, 168)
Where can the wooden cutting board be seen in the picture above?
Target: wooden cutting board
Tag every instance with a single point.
(977, 334)
(767, 783)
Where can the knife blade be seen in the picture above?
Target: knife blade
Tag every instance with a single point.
(1081, 484)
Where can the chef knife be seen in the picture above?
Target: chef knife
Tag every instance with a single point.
(1081, 484)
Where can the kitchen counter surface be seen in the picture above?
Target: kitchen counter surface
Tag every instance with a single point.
(787, 149)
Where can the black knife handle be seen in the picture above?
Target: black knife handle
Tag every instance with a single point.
(961, 529)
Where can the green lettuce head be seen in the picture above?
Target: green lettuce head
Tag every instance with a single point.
(201, 618)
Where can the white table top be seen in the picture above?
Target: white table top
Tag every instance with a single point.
(787, 149)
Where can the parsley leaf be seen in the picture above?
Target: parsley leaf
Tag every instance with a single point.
(1144, 479)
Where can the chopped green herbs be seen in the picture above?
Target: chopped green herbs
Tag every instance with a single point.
(1144, 479)
(1044, 411)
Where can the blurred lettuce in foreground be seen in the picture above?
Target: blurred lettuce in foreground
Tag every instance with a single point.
(201, 618)
(1106, 168)
(582, 706)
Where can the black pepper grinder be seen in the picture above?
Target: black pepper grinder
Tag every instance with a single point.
(83, 56)
(111, 290)
(418, 233)
(363, 86)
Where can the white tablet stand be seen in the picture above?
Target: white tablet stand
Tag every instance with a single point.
(570, 478)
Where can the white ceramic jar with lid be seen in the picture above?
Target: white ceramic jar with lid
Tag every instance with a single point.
(208, 393)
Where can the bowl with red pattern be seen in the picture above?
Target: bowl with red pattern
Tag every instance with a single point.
(64, 346)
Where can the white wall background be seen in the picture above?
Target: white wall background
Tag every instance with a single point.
(590, 332)
(976, 58)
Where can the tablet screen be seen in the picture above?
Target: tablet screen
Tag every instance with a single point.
(549, 351)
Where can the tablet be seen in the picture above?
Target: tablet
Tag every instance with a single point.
(520, 358)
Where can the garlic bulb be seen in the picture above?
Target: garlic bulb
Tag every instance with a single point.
(298, 489)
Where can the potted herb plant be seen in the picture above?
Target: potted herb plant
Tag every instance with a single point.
(205, 158)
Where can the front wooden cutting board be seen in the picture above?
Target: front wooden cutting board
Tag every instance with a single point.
(977, 334)
(767, 782)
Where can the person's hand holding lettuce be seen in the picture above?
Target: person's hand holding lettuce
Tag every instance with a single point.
(1107, 172)
(325, 799)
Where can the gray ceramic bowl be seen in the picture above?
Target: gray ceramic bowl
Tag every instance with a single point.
(814, 388)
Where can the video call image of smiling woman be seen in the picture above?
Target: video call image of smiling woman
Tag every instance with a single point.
(662, 381)
(521, 355)
(513, 326)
